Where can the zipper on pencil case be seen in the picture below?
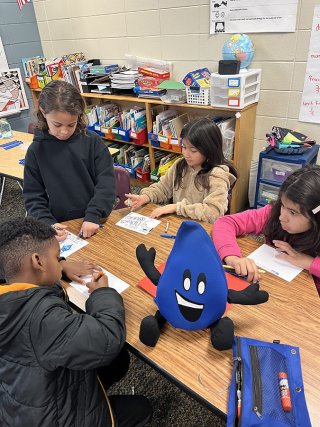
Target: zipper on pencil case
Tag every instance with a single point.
(256, 382)
(238, 370)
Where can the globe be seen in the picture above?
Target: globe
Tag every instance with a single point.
(240, 47)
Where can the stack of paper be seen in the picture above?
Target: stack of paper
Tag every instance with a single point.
(124, 80)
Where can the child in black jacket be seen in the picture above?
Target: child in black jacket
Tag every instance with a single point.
(49, 355)
(68, 171)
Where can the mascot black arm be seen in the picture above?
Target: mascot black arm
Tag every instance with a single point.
(251, 295)
(146, 261)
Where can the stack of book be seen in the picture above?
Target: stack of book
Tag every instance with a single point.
(147, 83)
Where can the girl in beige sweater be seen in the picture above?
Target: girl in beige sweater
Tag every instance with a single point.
(197, 185)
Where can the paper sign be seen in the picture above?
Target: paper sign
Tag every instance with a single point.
(266, 258)
(310, 101)
(114, 282)
(139, 223)
(71, 244)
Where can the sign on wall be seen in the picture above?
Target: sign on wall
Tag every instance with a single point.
(253, 16)
(310, 102)
(12, 94)
(3, 60)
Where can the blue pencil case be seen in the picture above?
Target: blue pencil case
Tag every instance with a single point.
(266, 388)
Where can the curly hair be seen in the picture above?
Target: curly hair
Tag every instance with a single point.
(206, 137)
(302, 188)
(59, 95)
(19, 238)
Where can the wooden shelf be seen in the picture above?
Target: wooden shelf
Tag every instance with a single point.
(125, 142)
(243, 143)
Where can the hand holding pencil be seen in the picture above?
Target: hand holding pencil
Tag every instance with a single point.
(243, 267)
(98, 280)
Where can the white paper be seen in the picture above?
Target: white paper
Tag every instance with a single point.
(3, 59)
(310, 101)
(114, 282)
(253, 16)
(265, 257)
(139, 223)
(71, 244)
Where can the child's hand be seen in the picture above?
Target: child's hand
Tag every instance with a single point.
(61, 231)
(135, 201)
(74, 269)
(99, 280)
(244, 267)
(163, 210)
(287, 253)
(88, 229)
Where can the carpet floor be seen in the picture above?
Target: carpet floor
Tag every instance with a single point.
(172, 406)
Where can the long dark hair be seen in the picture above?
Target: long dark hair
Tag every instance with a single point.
(303, 188)
(59, 95)
(206, 137)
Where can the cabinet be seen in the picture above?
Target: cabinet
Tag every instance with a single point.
(244, 132)
(274, 168)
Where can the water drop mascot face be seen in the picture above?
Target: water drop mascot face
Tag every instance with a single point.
(192, 292)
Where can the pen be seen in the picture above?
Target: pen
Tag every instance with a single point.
(166, 228)
(168, 236)
(228, 267)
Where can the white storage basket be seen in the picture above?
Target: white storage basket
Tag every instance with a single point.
(198, 95)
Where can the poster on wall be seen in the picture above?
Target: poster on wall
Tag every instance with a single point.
(3, 59)
(253, 16)
(310, 101)
(12, 94)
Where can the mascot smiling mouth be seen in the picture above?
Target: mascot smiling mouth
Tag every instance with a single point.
(191, 311)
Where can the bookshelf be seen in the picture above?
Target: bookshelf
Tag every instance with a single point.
(244, 132)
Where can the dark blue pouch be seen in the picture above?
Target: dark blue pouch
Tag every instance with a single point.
(255, 392)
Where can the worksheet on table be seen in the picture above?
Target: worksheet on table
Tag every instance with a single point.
(266, 257)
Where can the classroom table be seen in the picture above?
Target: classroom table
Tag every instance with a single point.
(291, 315)
(9, 159)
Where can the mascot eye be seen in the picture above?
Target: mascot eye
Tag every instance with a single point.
(201, 283)
(186, 279)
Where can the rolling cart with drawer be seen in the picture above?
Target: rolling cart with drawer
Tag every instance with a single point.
(274, 168)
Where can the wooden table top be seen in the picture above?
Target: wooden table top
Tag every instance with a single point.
(291, 315)
(9, 159)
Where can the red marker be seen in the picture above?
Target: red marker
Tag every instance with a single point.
(284, 391)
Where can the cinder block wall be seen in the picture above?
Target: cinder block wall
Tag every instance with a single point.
(178, 30)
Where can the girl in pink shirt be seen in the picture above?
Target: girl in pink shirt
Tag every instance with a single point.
(291, 224)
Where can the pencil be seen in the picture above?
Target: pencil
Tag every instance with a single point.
(228, 267)
(100, 274)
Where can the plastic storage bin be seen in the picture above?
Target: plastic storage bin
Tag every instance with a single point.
(142, 176)
(235, 91)
(267, 194)
(121, 134)
(176, 144)
(198, 95)
(139, 138)
(228, 144)
(273, 170)
(154, 175)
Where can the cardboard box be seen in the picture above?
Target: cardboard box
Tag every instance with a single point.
(198, 78)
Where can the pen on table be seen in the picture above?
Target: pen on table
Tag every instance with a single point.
(228, 267)
(166, 228)
(168, 236)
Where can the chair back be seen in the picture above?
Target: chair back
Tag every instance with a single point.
(123, 186)
(31, 128)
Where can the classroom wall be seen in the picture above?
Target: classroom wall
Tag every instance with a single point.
(20, 38)
(178, 31)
